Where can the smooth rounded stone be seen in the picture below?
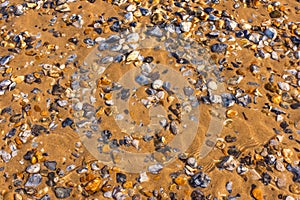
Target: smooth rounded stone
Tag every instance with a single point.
(219, 47)
(281, 182)
(274, 55)
(284, 86)
(107, 59)
(121, 178)
(197, 195)
(297, 55)
(129, 16)
(32, 169)
(254, 37)
(142, 80)
(230, 24)
(108, 194)
(51, 165)
(132, 37)
(188, 91)
(112, 38)
(185, 26)
(229, 186)
(45, 197)
(131, 8)
(62, 192)
(241, 169)
(200, 180)
(34, 180)
(154, 169)
(5, 156)
(271, 33)
(143, 177)
(156, 31)
(279, 166)
(289, 198)
(133, 56)
(275, 14)
(191, 161)
(157, 84)
(212, 85)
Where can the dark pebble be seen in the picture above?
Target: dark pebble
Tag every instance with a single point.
(219, 48)
(67, 122)
(33, 180)
(62, 192)
(229, 138)
(148, 59)
(295, 105)
(121, 178)
(266, 178)
(45, 197)
(50, 164)
(275, 14)
(200, 180)
(197, 195)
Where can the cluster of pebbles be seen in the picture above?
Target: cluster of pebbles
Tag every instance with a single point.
(44, 76)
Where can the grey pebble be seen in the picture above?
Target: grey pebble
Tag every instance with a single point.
(62, 192)
(34, 180)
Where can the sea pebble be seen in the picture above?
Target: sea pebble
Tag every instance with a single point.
(34, 180)
(200, 180)
(62, 192)
(219, 48)
(32, 169)
(284, 86)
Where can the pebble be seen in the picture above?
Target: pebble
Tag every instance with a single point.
(62, 192)
(154, 169)
(200, 180)
(197, 195)
(219, 48)
(185, 26)
(51, 165)
(157, 84)
(32, 169)
(284, 86)
(143, 177)
(34, 180)
(275, 14)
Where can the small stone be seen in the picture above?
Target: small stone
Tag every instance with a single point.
(279, 166)
(200, 180)
(271, 33)
(154, 169)
(121, 178)
(32, 169)
(229, 186)
(34, 180)
(219, 48)
(180, 181)
(257, 193)
(281, 182)
(93, 186)
(197, 195)
(62, 192)
(188, 91)
(284, 86)
(157, 84)
(254, 37)
(192, 162)
(50, 164)
(275, 14)
(143, 177)
(185, 26)
(132, 56)
(212, 85)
